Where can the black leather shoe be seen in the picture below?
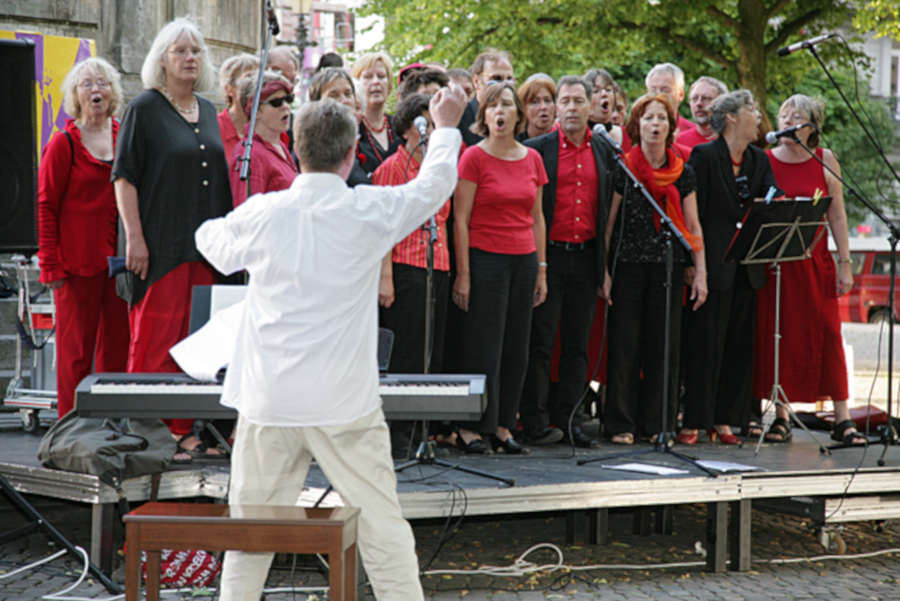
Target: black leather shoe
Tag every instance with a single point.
(546, 436)
(508, 446)
(474, 447)
(582, 440)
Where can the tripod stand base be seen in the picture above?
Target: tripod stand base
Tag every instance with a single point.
(425, 456)
(777, 391)
(888, 437)
(38, 521)
(662, 446)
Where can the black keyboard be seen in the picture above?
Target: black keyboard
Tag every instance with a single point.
(435, 397)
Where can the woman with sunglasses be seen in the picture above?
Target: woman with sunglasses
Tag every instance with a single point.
(271, 165)
(719, 335)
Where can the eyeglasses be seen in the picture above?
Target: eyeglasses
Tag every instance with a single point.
(495, 79)
(87, 84)
(181, 52)
(277, 102)
(743, 185)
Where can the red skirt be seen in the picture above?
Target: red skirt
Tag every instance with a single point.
(813, 366)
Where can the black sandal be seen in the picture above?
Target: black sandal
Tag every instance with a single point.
(200, 451)
(752, 430)
(848, 439)
(784, 433)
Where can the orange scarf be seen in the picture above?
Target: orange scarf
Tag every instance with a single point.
(661, 185)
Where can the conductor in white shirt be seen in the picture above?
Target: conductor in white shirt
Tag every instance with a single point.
(304, 377)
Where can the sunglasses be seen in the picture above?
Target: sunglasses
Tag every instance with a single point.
(277, 102)
(743, 187)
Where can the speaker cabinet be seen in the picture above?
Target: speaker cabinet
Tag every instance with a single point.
(18, 148)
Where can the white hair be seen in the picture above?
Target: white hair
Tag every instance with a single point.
(69, 87)
(153, 73)
(666, 68)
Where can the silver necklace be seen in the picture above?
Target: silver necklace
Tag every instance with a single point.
(176, 105)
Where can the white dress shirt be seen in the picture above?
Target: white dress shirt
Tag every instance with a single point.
(306, 352)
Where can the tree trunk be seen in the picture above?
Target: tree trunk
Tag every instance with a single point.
(752, 64)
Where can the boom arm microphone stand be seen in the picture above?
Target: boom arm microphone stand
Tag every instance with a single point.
(244, 161)
(425, 452)
(889, 435)
(663, 442)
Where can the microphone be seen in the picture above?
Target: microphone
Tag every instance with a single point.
(421, 124)
(773, 136)
(599, 130)
(805, 44)
(273, 20)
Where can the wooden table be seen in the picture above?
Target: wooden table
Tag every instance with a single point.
(253, 528)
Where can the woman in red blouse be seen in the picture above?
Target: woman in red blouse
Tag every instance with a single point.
(501, 269)
(232, 119)
(77, 219)
(271, 165)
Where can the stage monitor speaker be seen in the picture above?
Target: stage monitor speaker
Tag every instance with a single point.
(18, 148)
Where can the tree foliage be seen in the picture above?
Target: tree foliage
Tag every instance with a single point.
(880, 16)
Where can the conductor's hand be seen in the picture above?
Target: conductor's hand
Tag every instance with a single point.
(447, 106)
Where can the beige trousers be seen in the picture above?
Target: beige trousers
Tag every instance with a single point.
(269, 467)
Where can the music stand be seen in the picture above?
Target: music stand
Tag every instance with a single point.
(775, 232)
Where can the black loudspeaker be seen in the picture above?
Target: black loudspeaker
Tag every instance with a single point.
(18, 148)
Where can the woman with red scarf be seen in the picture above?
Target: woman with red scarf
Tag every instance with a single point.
(637, 295)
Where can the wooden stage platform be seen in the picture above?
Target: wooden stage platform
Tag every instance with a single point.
(797, 480)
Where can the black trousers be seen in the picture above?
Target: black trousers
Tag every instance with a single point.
(406, 318)
(570, 305)
(636, 328)
(496, 330)
(719, 371)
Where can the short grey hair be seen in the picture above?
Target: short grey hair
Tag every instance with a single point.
(666, 68)
(153, 74)
(710, 81)
(323, 78)
(70, 86)
(283, 52)
(574, 80)
(232, 68)
(728, 104)
(324, 132)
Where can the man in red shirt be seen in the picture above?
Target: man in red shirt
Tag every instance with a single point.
(576, 203)
(702, 94)
(666, 78)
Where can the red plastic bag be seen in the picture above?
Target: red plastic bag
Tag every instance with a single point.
(184, 568)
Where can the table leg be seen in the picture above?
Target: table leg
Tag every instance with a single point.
(153, 575)
(133, 563)
(740, 535)
(716, 536)
(336, 569)
(350, 573)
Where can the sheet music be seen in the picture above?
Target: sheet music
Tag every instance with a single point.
(646, 468)
(210, 349)
(727, 466)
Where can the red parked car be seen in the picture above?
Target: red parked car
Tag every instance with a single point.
(868, 300)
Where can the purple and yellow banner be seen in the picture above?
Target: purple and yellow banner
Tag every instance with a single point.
(54, 57)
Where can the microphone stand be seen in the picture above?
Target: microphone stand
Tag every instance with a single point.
(889, 434)
(664, 441)
(244, 161)
(425, 453)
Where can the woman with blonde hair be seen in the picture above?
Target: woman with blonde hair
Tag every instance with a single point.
(77, 220)
(377, 140)
(170, 176)
(233, 118)
(813, 366)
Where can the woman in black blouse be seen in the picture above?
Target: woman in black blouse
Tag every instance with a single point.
(377, 140)
(731, 172)
(170, 176)
(637, 296)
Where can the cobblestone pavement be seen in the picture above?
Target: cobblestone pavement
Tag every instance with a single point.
(495, 542)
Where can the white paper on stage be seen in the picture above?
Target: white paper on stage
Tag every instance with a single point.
(309, 496)
(646, 468)
(727, 466)
(202, 354)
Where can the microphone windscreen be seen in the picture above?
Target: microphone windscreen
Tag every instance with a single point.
(771, 138)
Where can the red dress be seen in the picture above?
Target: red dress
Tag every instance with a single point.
(813, 366)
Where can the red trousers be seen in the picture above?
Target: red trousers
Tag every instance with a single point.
(160, 320)
(90, 319)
